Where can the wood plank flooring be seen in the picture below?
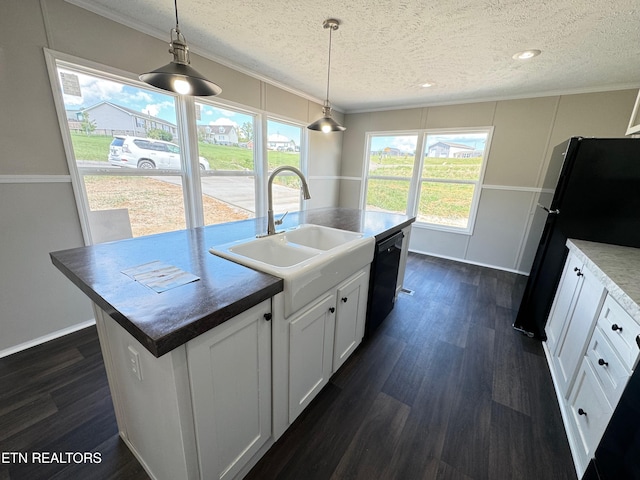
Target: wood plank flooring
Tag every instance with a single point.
(54, 398)
(444, 389)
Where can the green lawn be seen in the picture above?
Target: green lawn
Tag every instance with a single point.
(437, 199)
(93, 147)
(220, 157)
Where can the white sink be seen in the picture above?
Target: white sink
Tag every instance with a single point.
(310, 259)
(272, 251)
(318, 237)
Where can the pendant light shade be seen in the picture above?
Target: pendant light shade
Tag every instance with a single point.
(327, 124)
(179, 76)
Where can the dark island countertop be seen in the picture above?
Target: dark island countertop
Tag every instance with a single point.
(164, 321)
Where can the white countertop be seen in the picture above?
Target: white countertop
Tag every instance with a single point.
(618, 268)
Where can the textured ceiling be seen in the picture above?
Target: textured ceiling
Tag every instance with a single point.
(385, 49)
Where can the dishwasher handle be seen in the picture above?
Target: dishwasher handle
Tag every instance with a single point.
(394, 241)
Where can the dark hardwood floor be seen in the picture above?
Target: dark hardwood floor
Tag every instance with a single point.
(444, 389)
(54, 399)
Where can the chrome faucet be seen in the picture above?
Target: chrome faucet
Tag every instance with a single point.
(271, 227)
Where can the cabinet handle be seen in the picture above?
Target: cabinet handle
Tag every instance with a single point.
(578, 271)
(601, 362)
(268, 316)
(615, 327)
(344, 299)
(582, 412)
(332, 309)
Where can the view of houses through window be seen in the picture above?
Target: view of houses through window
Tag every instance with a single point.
(126, 141)
(435, 175)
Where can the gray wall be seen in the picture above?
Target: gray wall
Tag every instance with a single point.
(507, 229)
(37, 208)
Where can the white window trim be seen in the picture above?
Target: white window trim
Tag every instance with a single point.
(416, 180)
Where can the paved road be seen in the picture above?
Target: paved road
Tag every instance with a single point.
(236, 191)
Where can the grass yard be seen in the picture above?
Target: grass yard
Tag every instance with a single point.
(157, 206)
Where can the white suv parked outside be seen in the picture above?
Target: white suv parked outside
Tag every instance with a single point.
(138, 152)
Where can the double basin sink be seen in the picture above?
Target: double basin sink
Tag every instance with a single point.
(310, 259)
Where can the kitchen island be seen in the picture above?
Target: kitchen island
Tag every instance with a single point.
(190, 369)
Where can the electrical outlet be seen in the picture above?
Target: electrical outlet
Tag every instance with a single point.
(134, 363)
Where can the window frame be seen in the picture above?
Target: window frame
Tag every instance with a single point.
(187, 138)
(416, 181)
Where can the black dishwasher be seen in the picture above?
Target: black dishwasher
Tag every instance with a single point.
(384, 277)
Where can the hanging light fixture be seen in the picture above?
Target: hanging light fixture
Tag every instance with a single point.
(327, 124)
(178, 76)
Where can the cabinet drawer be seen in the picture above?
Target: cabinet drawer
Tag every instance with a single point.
(608, 367)
(621, 330)
(589, 413)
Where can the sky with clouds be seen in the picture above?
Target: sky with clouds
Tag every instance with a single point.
(86, 90)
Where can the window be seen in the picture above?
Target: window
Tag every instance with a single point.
(226, 142)
(435, 175)
(391, 164)
(129, 149)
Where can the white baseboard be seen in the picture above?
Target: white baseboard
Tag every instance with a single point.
(463, 260)
(51, 336)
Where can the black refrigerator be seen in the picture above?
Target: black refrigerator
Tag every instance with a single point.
(591, 192)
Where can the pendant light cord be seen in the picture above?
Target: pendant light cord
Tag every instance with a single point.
(175, 4)
(329, 63)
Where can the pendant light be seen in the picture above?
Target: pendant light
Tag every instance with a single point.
(178, 76)
(327, 124)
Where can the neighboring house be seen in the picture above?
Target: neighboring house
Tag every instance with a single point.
(452, 150)
(112, 119)
(74, 118)
(219, 134)
(275, 141)
(391, 152)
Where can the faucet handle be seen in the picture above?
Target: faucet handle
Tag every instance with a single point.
(281, 219)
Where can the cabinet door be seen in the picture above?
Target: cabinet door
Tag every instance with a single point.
(590, 413)
(230, 376)
(581, 322)
(350, 317)
(310, 353)
(563, 301)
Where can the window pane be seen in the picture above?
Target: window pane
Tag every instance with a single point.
(392, 156)
(283, 148)
(155, 204)
(225, 138)
(226, 143)
(387, 195)
(228, 198)
(283, 144)
(454, 156)
(446, 204)
(105, 118)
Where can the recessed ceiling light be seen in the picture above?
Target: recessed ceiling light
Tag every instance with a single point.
(427, 85)
(526, 54)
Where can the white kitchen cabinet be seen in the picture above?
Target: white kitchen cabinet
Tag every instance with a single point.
(351, 312)
(578, 326)
(621, 330)
(610, 370)
(591, 346)
(589, 413)
(310, 352)
(321, 337)
(563, 300)
(230, 379)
